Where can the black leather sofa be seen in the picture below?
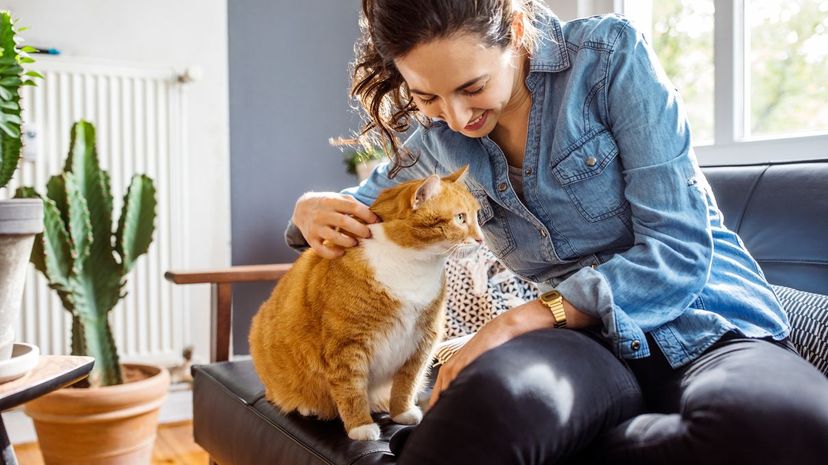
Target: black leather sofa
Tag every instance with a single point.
(780, 211)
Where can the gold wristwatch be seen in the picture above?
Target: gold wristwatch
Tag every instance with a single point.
(554, 302)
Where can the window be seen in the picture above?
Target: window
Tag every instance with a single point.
(682, 36)
(753, 73)
(788, 42)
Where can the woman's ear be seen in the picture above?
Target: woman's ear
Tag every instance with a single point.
(517, 29)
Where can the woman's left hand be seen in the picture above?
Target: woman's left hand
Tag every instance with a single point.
(521, 319)
(506, 326)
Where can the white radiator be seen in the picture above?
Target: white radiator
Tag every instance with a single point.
(139, 116)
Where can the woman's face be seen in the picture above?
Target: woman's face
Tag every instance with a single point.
(462, 82)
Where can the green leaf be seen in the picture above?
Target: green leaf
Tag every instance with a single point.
(136, 224)
(10, 81)
(34, 74)
(9, 153)
(27, 48)
(26, 60)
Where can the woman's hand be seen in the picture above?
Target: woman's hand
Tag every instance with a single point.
(527, 317)
(332, 217)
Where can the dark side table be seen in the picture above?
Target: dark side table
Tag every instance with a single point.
(52, 372)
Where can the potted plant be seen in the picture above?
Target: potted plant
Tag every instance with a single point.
(20, 219)
(362, 159)
(113, 419)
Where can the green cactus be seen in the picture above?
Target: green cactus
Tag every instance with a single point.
(11, 78)
(79, 254)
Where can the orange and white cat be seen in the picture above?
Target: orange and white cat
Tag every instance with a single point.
(355, 334)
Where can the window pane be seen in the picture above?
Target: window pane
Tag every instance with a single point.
(788, 66)
(683, 39)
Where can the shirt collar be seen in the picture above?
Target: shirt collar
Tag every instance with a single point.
(551, 55)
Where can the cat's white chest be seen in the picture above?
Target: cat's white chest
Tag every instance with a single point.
(414, 282)
(411, 276)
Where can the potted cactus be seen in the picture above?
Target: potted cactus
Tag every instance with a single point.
(20, 219)
(113, 420)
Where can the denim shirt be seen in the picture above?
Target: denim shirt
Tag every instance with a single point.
(616, 213)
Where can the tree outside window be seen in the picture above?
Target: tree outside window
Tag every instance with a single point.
(785, 48)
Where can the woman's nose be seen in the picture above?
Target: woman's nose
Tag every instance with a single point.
(457, 116)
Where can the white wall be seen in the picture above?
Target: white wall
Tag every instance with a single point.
(180, 33)
(571, 9)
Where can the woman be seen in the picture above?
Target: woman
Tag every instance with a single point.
(674, 347)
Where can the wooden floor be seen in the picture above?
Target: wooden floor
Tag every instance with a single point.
(173, 446)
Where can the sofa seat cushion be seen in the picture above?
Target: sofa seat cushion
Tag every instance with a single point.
(234, 423)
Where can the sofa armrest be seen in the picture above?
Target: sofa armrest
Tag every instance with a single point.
(221, 302)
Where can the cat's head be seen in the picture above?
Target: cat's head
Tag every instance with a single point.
(436, 215)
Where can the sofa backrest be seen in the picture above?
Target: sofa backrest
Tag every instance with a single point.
(781, 213)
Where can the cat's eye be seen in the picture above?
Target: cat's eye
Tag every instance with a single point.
(460, 218)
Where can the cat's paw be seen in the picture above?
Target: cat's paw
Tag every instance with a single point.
(411, 416)
(369, 432)
(306, 412)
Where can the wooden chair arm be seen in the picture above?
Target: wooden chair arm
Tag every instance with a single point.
(221, 302)
(234, 274)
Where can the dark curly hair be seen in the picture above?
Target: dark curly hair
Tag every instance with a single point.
(392, 28)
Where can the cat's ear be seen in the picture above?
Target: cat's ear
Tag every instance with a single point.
(459, 175)
(429, 188)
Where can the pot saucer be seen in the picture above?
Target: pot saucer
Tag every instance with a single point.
(24, 357)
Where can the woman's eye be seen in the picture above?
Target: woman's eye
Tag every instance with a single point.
(427, 101)
(460, 218)
(475, 92)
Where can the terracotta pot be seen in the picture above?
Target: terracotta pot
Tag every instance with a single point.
(112, 425)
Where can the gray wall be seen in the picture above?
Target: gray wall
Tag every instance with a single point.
(288, 64)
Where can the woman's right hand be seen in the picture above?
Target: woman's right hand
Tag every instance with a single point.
(332, 217)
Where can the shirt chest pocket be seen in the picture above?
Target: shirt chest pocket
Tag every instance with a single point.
(495, 230)
(590, 173)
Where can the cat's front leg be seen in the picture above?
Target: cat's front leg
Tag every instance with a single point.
(349, 389)
(407, 382)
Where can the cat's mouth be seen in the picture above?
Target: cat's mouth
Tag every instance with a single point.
(463, 250)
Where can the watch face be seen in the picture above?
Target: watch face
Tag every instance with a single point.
(551, 295)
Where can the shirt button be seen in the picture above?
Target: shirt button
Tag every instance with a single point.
(635, 345)
(502, 187)
(591, 161)
(594, 266)
(528, 171)
(543, 232)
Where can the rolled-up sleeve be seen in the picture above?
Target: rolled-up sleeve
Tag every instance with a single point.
(665, 270)
(369, 189)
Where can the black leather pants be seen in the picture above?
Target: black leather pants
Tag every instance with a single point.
(560, 396)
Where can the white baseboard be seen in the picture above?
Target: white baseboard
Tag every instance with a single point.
(177, 407)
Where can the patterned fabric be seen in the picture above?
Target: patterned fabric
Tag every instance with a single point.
(479, 289)
(808, 313)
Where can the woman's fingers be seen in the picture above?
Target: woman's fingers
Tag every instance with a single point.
(331, 222)
(337, 237)
(438, 387)
(348, 224)
(349, 205)
(324, 250)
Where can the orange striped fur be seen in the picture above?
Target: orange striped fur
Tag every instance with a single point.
(352, 335)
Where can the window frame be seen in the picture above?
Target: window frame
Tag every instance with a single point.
(731, 102)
